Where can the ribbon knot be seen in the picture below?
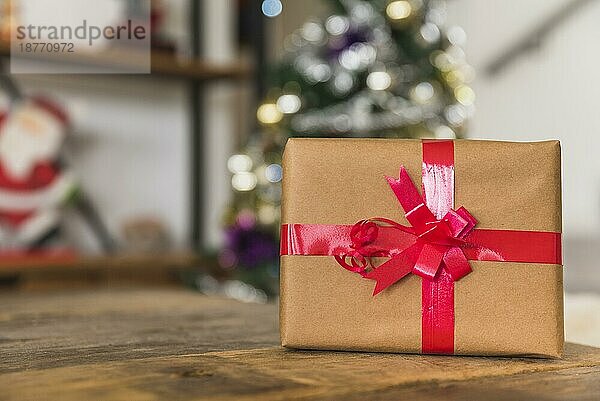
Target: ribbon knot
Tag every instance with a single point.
(435, 243)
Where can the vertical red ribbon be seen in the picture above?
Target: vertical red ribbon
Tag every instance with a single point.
(437, 322)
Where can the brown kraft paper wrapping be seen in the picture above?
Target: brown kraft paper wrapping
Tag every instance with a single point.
(501, 308)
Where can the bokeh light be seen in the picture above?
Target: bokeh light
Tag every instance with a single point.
(313, 31)
(274, 173)
(379, 80)
(239, 164)
(444, 132)
(423, 92)
(464, 95)
(430, 33)
(457, 36)
(343, 82)
(456, 114)
(289, 104)
(272, 8)
(244, 182)
(268, 113)
(337, 25)
(398, 10)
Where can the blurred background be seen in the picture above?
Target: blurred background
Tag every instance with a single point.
(173, 178)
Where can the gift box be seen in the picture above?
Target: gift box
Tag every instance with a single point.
(438, 247)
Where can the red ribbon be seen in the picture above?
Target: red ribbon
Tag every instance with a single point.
(437, 246)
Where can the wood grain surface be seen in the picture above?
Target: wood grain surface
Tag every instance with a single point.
(172, 344)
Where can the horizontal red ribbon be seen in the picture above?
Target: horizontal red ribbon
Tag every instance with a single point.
(492, 245)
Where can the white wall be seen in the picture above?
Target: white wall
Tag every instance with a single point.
(129, 147)
(550, 93)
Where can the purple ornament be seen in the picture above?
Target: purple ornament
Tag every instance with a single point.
(251, 246)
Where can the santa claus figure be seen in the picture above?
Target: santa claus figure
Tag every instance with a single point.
(33, 186)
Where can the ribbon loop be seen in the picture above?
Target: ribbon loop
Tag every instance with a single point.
(456, 263)
(429, 261)
(363, 233)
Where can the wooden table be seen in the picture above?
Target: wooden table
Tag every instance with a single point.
(177, 345)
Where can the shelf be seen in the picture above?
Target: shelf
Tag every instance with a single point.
(70, 263)
(167, 64)
(163, 63)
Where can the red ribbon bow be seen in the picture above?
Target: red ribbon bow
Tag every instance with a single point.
(437, 242)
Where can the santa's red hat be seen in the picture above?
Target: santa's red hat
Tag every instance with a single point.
(51, 107)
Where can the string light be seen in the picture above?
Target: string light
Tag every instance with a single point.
(239, 164)
(358, 56)
(268, 113)
(455, 114)
(464, 95)
(361, 12)
(289, 104)
(430, 33)
(379, 80)
(343, 82)
(318, 73)
(457, 36)
(312, 31)
(454, 78)
(271, 8)
(244, 182)
(274, 173)
(398, 10)
(349, 60)
(337, 25)
(423, 92)
(442, 60)
(444, 132)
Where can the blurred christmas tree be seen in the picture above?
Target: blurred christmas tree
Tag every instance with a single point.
(373, 68)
